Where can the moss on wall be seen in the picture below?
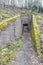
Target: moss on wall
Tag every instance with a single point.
(35, 34)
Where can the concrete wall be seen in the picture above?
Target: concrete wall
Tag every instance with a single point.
(26, 19)
(8, 34)
(18, 27)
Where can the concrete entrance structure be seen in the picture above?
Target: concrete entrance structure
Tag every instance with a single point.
(14, 30)
(25, 21)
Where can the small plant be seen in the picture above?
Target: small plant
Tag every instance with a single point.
(19, 38)
(18, 45)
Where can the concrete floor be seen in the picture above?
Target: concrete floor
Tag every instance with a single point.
(26, 54)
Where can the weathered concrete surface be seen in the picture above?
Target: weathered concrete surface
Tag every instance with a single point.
(18, 27)
(7, 34)
(25, 19)
(26, 54)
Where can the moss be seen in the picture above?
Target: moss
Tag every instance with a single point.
(35, 34)
(19, 38)
(18, 45)
(0, 49)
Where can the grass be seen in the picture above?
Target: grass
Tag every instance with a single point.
(18, 44)
(7, 54)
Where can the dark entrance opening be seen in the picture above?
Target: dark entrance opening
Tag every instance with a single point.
(25, 27)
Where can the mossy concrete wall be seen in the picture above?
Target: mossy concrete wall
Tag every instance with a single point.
(10, 30)
(7, 34)
(35, 34)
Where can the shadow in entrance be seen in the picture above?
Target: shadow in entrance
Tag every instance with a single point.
(25, 27)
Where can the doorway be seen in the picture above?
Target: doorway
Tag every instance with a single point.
(25, 27)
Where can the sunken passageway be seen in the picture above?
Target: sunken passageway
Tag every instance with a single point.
(25, 54)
